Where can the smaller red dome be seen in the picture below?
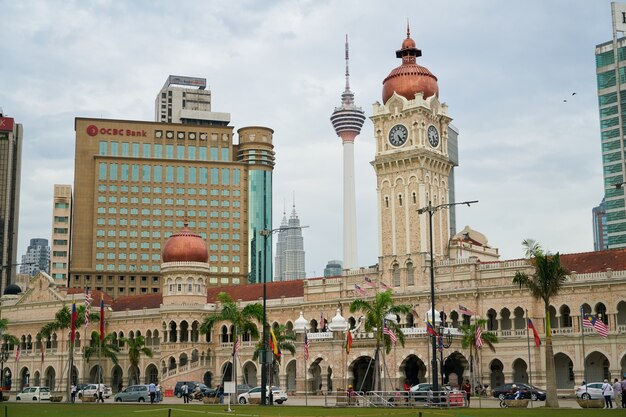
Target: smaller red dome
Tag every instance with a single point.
(408, 43)
(185, 246)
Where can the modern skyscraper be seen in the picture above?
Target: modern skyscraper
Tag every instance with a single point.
(348, 120)
(290, 249)
(10, 168)
(610, 75)
(333, 268)
(186, 100)
(61, 228)
(598, 217)
(137, 182)
(37, 258)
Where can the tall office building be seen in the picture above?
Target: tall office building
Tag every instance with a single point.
(137, 182)
(610, 75)
(347, 121)
(186, 100)
(290, 249)
(61, 227)
(333, 268)
(453, 157)
(10, 167)
(598, 217)
(37, 258)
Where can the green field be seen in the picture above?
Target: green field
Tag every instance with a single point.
(120, 410)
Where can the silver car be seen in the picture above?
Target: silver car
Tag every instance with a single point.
(592, 391)
(137, 393)
(255, 394)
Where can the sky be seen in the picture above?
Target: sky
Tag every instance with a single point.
(529, 150)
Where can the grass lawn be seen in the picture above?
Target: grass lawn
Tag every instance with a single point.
(175, 410)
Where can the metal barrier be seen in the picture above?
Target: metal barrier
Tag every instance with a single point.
(430, 399)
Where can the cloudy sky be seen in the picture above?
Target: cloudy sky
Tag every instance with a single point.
(504, 68)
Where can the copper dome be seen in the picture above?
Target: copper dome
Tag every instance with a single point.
(409, 78)
(185, 246)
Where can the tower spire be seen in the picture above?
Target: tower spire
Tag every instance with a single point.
(347, 67)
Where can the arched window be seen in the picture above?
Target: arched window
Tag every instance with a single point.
(410, 274)
(395, 273)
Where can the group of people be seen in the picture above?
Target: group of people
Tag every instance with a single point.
(617, 389)
(99, 392)
(155, 391)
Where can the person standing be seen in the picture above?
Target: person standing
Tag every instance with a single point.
(158, 391)
(185, 390)
(152, 391)
(624, 391)
(617, 389)
(607, 390)
(73, 392)
(407, 389)
(100, 393)
(467, 387)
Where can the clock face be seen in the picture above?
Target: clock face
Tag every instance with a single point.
(433, 136)
(398, 135)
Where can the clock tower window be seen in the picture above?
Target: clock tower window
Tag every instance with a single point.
(410, 274)
(400, 199)
(414, 198)
(386, 201)
(395, 275)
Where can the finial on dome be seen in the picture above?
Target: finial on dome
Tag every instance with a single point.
(408, 29)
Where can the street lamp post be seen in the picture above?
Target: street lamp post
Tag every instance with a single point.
(266, 233)
(444, 342)
(4, 356)
(431, 210)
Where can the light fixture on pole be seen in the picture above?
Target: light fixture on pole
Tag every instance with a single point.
(431, 210)
(266, 233)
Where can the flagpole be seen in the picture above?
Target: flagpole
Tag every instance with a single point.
(306, 379)
(476, 363)
(234, 367)
(530, 372)
(582, 332)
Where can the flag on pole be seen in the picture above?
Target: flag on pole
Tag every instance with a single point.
(369, 281)
(479, 337)
(531, 326)
(440, 343)
(390, 333)
(101, 319)
(87, 303)
(349, 342)
(275, 346)
(307, 345)
(596, 323)
(466, 311)
(237, 344)
(74, 317)
(321, 321)
(359, 289)
(430, 329)
(383, 286)
(17, 354)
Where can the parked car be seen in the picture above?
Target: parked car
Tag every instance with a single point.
(592, 391)
(91, 390)
(255, 393)
(206, 391)
(34, 394)
(507, 390)
(137, 393)
(423, 391)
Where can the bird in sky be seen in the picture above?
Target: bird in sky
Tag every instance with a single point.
(565, 100)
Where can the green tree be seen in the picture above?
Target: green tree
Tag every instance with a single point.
(136, 347)
(285, 343)
(106, 348)
(7, 338)
(544, 284)
(63, 320)
(375, 313)
(468, 340)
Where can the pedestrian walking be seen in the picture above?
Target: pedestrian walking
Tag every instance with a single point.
(100, 393)
(617, 389)
(158, 392)
(467, 387)
(185, 390)
(607, 390)
(73, 392)
(152, 392)
(623, 391)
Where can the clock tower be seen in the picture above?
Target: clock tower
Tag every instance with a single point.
(412, 168)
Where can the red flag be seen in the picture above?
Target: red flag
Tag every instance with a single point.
(349, 342)
(430, 329)
(73, 334)
(307, 346)
(101, 320)
(479, 337)
(535, 334)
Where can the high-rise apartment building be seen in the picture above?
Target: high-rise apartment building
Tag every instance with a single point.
(61, 228)
(186, 100)
(598, 217)
(290, 249)
(37, 258)
(137, 182)
(10, 167)
(611, 76)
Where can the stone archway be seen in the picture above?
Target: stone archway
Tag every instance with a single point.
(250, 374)
(564, 368)
(152, 374)
(453, 369)
(291, 376)
(95, 374)
(520, 371)
(24, 378)
(7, 380)
(227, 372)
(413, 369)
(496, 377)
(117, 378)
(208, 379)
(362, 370)
(50, 378)
(597, 367)
(314, 376)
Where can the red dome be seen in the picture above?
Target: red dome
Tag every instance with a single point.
(409, 78)
(185, 246)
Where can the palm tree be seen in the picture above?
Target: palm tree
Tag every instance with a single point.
(468, 340)
(243, 320)
(106, 348)
(7, 338)
(545, 283)
(136, 348)
(285, 343)
(63, 320)
(375, 313)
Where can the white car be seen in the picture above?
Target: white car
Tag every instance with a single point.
(91, 390)
(255, 393)
(34, 394)
(592, 391)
